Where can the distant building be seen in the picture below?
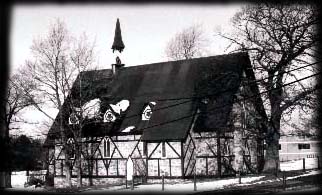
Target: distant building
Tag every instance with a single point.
(297, 147)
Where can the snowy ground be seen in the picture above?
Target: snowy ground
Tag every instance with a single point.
(19, 178)
(312, 172)
(310, 163)
(187, 188)
(184, 187)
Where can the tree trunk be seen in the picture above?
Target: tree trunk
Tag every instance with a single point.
(78, 162)
(8, 179)
(272, 154)
(2, 180)
(5, 179)
(90, 164)
(68, 179)
(272, 143)
(68, 171)
(5, 151)
(238, 150)
(90, 171)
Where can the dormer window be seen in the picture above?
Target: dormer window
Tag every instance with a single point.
(73, 119)
(147, 111)
(115, 111)
(109, 116)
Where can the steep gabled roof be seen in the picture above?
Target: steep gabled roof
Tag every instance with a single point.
(175, 87)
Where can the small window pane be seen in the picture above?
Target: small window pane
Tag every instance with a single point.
(163, 149)
(106, 148)
(145, 149)
(304, 146)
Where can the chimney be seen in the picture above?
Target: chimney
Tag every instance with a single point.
(117, 66)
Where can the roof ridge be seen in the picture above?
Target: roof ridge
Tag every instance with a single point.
(192, 59)
(164, 62)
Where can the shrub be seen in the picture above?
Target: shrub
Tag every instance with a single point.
(35, 181)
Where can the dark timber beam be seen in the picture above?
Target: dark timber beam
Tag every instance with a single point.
(182, 161)
(173, 149)
(218, 154)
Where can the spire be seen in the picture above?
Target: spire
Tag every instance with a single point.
(118, 43)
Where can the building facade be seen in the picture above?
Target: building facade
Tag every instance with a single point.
(178, 119)
(298, 147)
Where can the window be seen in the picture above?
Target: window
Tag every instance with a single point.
(109, 116)
(279, 146)
(70, 148)
(147, 112)
(163, 150)
(73, 119)
(304, 146)
(107, 152)
(145, 149)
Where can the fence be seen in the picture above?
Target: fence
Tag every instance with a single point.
(41, 174)
(288, 171)
(301, 164)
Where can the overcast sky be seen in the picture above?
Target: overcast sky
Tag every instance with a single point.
(146, 29)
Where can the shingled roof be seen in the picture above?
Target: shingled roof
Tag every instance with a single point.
(175, 86)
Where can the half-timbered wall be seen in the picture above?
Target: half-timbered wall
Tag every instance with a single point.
(189, 156)
(51, 160)
(167, 163)
(218, 153)
(209, 161)
(95, 165)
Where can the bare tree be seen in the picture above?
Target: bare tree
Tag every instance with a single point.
(58, 59)
(15, 101)
(188, 43)
(279, 38)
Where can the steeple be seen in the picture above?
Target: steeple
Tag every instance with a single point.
(119, 46)
(118, 43)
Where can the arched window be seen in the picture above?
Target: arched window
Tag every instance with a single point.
(70, 148)
(73, 119)
(145, 149)
(147, 111)
(109, 116)
(107, 148)
(164, 154)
